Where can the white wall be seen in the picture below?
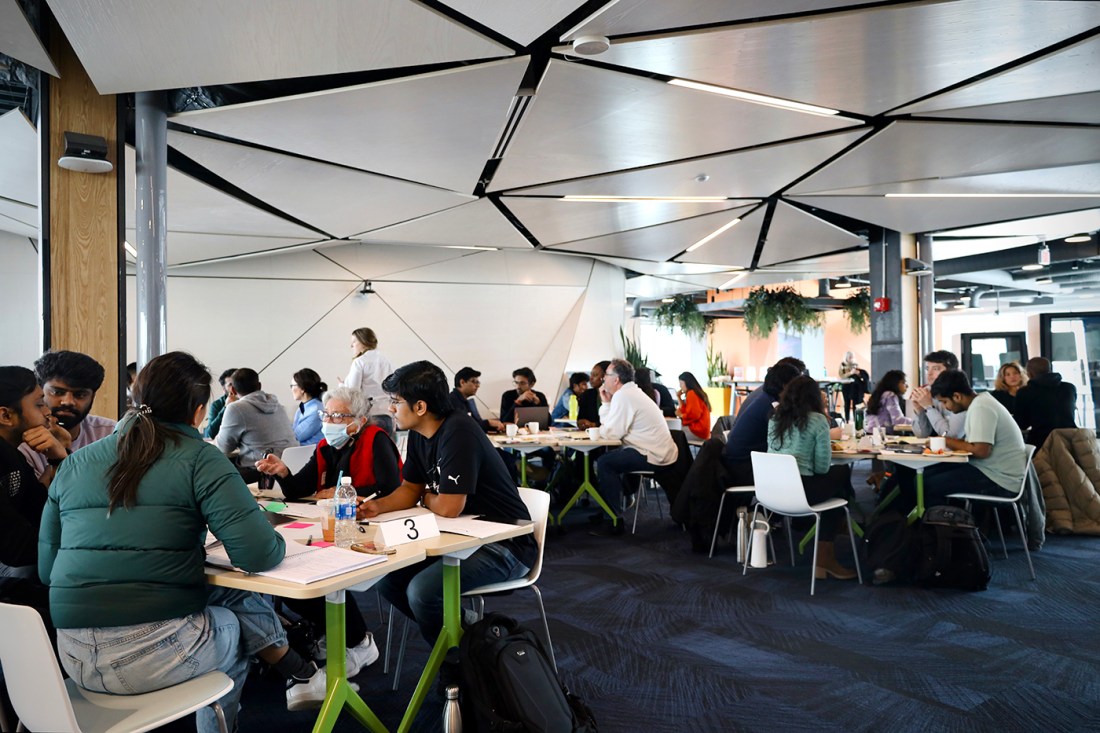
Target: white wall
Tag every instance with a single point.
(21, 326)
(494, 311)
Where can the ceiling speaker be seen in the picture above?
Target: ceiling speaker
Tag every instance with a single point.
(590, 45)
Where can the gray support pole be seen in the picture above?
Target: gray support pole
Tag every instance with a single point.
(926, 296)
(887, 328)
(151, 216)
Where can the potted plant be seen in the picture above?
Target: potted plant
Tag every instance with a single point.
(631, 351)
(857, 309)
(764, 308)
(718, 377)
(682, 312)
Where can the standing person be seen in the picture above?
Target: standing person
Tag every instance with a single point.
(1046, 403)
(694, 407)
(1007, 384)
(369, 368)
(929, 416)
(524, 395)
(884, 408)
(854, 390)
(467, 383)
(254, 423)
(588, 408)
(578, 385)
(307, 389)
(69, 382)
(217, 407)
(121, 548)
(451, 469)
(800, 428)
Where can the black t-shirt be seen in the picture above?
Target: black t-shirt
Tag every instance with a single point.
(508, 404)
(460, 459)
(21, 500)
(588, 406)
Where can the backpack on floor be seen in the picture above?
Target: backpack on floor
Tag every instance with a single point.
(950, 550)
(508, 683)
(889, 540)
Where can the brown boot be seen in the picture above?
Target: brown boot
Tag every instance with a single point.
(827, 564)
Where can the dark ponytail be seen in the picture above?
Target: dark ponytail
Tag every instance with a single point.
(168, 390)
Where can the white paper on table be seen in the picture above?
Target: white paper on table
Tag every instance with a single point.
(399, 514)
(300, 509)
(304, 563)
(470, 526)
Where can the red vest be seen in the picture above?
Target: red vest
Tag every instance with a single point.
(362, 458)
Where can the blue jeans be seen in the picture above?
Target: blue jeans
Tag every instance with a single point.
(610, 469)
(417, 591)
(130, 660)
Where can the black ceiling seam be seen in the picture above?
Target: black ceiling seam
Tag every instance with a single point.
(762, 238)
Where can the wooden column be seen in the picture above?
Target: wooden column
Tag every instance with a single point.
(81, 237)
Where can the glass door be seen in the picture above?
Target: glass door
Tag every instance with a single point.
(1072, 343)
(984, 353)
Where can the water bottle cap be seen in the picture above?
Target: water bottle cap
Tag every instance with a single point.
(452, 692)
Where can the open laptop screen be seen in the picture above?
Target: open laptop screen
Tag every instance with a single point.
(541, 415)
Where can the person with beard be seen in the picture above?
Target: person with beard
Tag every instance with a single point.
(69, 382)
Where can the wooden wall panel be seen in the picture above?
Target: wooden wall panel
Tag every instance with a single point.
(83, 227)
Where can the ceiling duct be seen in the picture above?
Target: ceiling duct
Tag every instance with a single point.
(1012, 259)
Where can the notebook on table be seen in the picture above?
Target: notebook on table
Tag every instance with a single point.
(541, 415)
(303, 563)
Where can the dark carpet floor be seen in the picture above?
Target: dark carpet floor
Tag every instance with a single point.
(655, 638)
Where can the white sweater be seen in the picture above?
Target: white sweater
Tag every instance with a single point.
(367, 373)
(636, 420)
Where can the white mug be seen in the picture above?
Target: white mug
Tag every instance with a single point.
(533, 427)
(937, 444)
(593, 433)
(511, 429)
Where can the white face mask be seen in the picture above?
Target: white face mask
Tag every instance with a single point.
(335, 434)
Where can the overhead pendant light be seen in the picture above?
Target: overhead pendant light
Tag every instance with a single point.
(1079, 238)
(961, 305)
(1032, 267)
(842, 284)
(1044, 253)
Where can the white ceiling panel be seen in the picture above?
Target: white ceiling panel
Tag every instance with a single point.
(196, 207)
(506, 267)
(377, 261)
(18, 218)
(794, 234)
(640, 16)
(647, 267)
(1073, 108)
(19, 153)
(476, 224)
(934, 214)
(1068, 179)
(651, 287)
(295, 264)
(1072, 70)
(553, 220)
(337, 200)
(911, 151)
(914, 49)
(436, 128)
(188, 247)
(614, 122)
(735, 247)
(759, 172)
(833, 265)
(1055, 226)
(523, 22)
(130, 45)
(18, 39)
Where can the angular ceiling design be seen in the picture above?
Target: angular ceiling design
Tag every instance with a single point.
(477, 224)
(794, 234)
(522, 22)
(18, 39)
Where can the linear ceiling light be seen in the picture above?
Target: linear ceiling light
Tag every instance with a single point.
(628, 199)
(1046, 280)
(1079, 238)
(729, 283)
(712, 235)
(130, 249)
(468, 246)
(992, 195)
(1036, 266)
(756, 98)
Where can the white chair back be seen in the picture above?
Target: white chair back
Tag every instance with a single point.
(297, 457)
(31, 674)
(1029, 453)
(538, 506)
(778, 483)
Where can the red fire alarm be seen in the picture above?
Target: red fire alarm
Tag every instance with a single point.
(881, 305)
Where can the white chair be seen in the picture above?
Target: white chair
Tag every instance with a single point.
(721, 505)
(779, 490)
(296, 457)
(45, 702)
(645, 483)
(1014, 501)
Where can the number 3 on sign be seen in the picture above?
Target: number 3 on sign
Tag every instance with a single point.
(409, 529)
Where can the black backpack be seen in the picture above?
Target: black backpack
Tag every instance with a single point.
(889, 540)
(508, 683)
(950, 551)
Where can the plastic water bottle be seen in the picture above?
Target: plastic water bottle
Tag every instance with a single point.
(574, 407)
(452, 714)
(347, 529)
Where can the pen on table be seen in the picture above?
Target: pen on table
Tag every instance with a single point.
(309, 542)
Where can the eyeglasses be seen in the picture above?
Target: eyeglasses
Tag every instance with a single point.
(395, 403)
(335, 416)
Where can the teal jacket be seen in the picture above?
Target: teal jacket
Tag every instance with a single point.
(145, 563)
(810, 447)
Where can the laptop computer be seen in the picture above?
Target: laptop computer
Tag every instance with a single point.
(541, 415)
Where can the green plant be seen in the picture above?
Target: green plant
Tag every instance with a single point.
(765, 308)
(631, 351)
(716, 367)
(682, 312)
(857, 308)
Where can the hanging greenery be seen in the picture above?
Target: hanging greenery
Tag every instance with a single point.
(682, 312)
(857, 308)
(716, 367)
(765, 308)
(631, 351)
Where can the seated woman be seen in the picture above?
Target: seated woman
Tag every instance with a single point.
(694, 407)
(798, 427)
(1008, 382)
(884, 408)
(121, 548)
(353, 447)
(307, 390)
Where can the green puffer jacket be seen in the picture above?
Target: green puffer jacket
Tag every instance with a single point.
(145, 563)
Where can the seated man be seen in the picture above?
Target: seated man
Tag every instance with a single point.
(629, 415)
(1045, 403)
(578, 385)
(524, 395)
(217, 407)
(929, 416)
(750, 431)
(451, 468)
(588, 406)
(761, 394)
(467, 383)
(254, 423)
(69, 383)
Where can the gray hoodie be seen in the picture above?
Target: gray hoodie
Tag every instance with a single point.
(255, 423)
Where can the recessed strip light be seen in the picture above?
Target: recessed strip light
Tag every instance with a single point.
(712, 235)
(628, 199)
(465, 246)
(992, 195)
(1078, 238)
(729, 283)
(1032, 267)
(756, 98)
(130, 249)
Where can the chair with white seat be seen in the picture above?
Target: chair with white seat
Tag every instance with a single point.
(779, 490)
(45, 702)
(1014, 501)
(646, 482)
(721, 505)
(296, 457)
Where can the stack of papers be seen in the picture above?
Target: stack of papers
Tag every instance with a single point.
(303, 563)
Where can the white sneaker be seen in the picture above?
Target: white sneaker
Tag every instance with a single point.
(364, 654)
(308, 694)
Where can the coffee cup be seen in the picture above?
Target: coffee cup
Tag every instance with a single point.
(937, 444)
(328, 519)
(533, 427)
(510, 429)
(593, 433)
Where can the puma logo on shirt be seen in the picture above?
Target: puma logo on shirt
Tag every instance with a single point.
(454, 478)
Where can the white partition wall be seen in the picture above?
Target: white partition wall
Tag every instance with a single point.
(21, 326)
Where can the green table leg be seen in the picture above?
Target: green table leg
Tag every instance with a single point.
(587, 487)
(918, 510)
(448, 638)
(338, 692)
(523, 470)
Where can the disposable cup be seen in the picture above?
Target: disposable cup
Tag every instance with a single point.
(328, 519)
(937, 444)
(593, 433)
(533, 428)
(511, 429)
